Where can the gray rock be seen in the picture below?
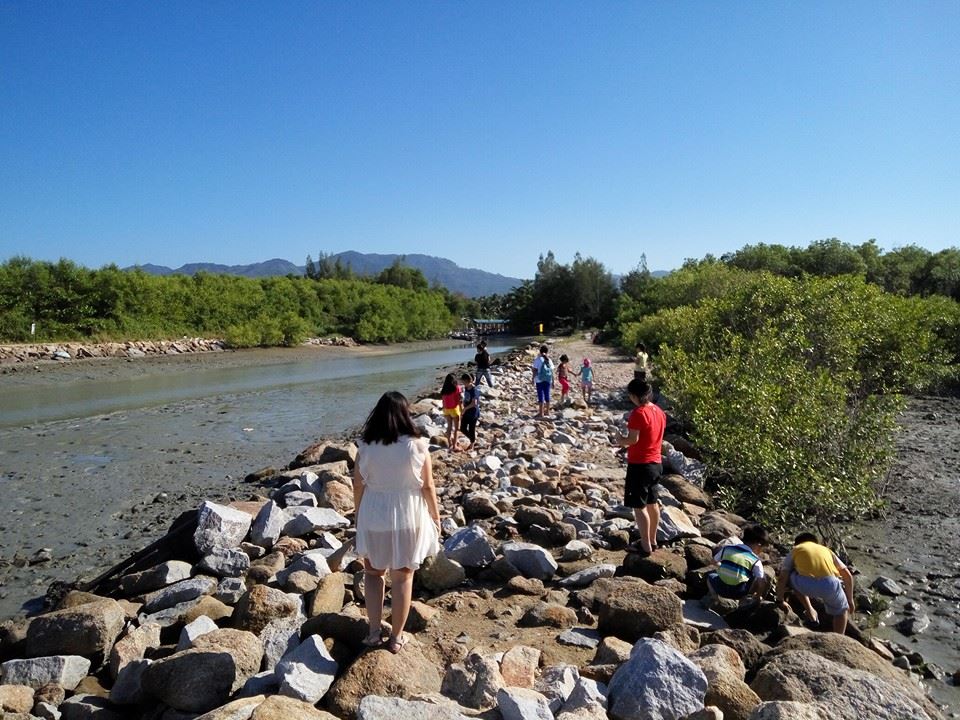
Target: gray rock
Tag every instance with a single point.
(702, 618)
(576, 549)
(313, 562)
(886, 586)
(375, 707)
(307, 672)
(675, 524)
(556, 683)
(787, 710)
(300, 498)
(268, 525)
(128, 687)
(178, 593)
(219, 526)
(562, 438)
(522, 704)
(225, 562)
(587, 576)
(580, 637)
(46, 711)
(280, 637)
(470, 547)
(306, 520)
(230, 590)
(656, 683)
(191, 631)
(531, 560)
(587, 700)
(64, 670)
(263, 683)
(913, 625)
(156, 577)
(490, 463)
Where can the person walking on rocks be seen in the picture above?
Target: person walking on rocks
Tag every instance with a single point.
(585, 373)
(452, 399)
(740, 572)
(644, 437)
(398, 516)
(482, 359)
(471, 409)
(543, 379)
(640, 360)
(563, 377)
(813, 570)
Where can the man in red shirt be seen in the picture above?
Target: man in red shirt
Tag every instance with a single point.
(643, 440)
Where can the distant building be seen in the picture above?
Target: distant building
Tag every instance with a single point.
(490, 326)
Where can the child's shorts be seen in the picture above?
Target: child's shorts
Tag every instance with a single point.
(564, 385)
(587, 385)
(828, 589)
(453, 412)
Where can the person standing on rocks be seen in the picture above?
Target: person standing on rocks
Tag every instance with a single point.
(563, 377)
(640, 360)
(644, 437)
(482, 359)
(813, 570)
(543, 379)
(471, 409)
(586, 380)
(398, 516)
(452, 399)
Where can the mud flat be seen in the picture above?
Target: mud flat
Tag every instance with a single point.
(917, 544)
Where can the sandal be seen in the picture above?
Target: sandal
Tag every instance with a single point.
(396, 644)
(371, 641)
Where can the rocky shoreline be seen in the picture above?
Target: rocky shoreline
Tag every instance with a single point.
(253, 608)
(35, 352)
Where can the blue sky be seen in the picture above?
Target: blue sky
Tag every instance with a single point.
(488, 133)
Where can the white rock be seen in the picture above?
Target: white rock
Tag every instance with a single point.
(300, 498)
(225, 562)
(657, 682)
(556, 683)
(674, 524)
(268, 525)
(587, 576)
(470, 547)
(178, 593)
(531, 560)
(576, 550)
(702, 618)
(523, 704)
(156, 577)
(219, 526)
(313, 562)
(305, 520)
(127, 688)
(307, 672)
(190, 632)
(375, 707)
(280, 637)
(64, 670)
(46, 711)
(489, 462)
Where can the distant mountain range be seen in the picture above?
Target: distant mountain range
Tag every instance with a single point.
(469, 281)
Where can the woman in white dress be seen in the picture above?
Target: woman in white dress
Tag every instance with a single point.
(398, 517)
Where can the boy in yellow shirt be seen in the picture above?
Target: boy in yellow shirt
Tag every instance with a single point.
(813, 570)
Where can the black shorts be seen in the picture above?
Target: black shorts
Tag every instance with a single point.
(641, 484)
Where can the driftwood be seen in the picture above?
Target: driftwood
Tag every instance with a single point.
(176, 544)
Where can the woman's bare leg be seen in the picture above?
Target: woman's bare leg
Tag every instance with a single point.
(373, 591)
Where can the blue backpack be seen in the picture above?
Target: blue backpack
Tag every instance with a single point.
(545, 371)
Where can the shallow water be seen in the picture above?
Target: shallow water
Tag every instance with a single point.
(96, 469)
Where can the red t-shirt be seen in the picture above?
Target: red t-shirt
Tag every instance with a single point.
(651, 421)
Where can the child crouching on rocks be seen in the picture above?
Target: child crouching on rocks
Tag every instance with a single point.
(812, 570)
(643, 440)
(740, 573)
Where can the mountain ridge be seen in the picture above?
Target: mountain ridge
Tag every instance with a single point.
(472, 282)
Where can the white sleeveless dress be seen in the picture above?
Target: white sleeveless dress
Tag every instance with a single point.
(394, 528)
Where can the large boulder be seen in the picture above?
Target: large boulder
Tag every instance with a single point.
(133, 645)
(64, 670)
(787, 710)
(685, 491)
(658, 565)
(89, 629)
(380, 672)
(179, 592)
(726, 689)
(631, 612)
(307, 520)
(156, 577)
(470, 547)
(656, 683)
(219, 526)
(845, 693)
(515, 703)
(263, 604)
(531, 560)
(307, 672)
(438, 573)
(15, 699)
(374, 707)
(748, 647)
(204, 677)
(321, 453)
(329, 595)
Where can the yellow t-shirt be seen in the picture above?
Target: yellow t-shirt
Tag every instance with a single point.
(814, 560)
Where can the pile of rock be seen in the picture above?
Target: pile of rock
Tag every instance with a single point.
(531, 611)
(335, 340)
(132, 349)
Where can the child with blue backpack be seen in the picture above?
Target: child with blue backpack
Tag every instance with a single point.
(543, 379)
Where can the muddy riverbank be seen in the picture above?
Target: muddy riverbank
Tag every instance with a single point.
(917, 544)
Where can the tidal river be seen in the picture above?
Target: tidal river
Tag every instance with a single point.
(93, 469)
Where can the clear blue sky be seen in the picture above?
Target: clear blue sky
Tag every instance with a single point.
(485, 132)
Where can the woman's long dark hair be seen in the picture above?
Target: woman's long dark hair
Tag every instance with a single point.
(389, 419)
(449, 384)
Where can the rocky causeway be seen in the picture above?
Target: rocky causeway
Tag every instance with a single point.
(252, 605)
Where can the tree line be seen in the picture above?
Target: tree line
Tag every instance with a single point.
(69, 302)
